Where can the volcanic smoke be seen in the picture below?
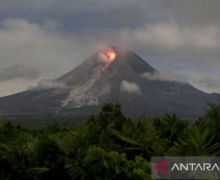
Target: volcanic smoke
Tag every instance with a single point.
(109, 56)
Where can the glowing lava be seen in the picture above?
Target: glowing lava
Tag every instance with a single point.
(109, 56)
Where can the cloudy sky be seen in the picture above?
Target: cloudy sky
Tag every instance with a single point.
(42, 39)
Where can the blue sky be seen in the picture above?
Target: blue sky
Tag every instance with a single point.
(42, 39)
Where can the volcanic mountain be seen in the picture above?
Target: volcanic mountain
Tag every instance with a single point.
(110, 76)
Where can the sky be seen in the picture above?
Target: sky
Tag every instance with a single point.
(44, 39)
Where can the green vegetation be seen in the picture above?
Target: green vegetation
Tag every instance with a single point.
(108, 146)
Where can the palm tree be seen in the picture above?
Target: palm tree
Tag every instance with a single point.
(212, 120)
(196, 141)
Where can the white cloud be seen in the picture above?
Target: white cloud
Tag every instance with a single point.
(15, 85)
(43, 50)
(194, 12)
(130, 87)
(17, 71)
(50, 52)
(203, 82)
(171, 36)
(33, 45)
(207, 82)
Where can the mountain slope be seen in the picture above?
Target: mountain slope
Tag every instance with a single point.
(111, 76)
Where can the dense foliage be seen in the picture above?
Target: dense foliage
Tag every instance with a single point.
(108, 146)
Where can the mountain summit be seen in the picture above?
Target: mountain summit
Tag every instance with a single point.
(100, 78)
(112, 75)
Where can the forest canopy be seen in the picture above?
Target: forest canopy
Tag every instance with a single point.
(108, 146)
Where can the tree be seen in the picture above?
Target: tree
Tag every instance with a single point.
(196, 141)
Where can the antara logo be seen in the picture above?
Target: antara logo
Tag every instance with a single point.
(185, 168)
(162, 167)
(195, 167)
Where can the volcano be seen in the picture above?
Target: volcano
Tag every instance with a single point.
(112, 75)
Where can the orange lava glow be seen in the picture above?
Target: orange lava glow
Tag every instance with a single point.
(109, 56)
